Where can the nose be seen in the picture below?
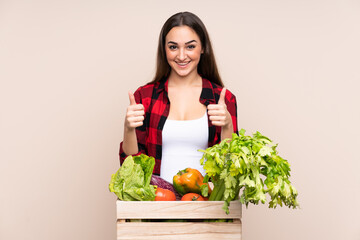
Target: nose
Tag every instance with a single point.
(182, 54)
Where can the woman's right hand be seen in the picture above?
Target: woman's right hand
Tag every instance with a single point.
(134, 114)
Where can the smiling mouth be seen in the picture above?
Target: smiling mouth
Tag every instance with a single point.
(184, 64)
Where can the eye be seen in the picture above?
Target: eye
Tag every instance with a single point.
(191, 46)
(172, 47)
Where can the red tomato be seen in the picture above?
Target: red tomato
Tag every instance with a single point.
(164, 195)
(192, 197)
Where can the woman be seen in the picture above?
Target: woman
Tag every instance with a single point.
(185, 107)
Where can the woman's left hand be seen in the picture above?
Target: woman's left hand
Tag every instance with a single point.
(218, 113)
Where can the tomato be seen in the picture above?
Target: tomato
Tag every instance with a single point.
(164, 195)
(192, 197)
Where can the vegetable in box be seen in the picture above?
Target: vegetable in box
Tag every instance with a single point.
(241, 163)
(132, 181)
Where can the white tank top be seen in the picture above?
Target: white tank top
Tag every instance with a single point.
(180, 143)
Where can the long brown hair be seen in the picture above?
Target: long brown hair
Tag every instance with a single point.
(207, 67)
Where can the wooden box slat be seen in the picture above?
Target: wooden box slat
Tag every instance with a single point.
(187, 210)
(176, 210)
(178, 230)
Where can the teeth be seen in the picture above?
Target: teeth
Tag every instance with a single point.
(182, 64)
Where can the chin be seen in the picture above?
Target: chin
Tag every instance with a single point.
(184, 72)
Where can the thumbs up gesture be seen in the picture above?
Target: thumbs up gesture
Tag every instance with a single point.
(134, 114)
(218, 114)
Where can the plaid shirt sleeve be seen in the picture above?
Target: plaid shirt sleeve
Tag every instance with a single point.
(149, 135)
(142, 95)
(230, 101)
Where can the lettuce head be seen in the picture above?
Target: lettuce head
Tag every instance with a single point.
(132, 181)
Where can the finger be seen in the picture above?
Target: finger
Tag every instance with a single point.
(222, 96)
(136, 124)
(217, 112)
(132, 98)
(135, 114)
(218, 123)
(216, 106)
(136, 107)
(138, 113)
(136, 119)
(217, 118)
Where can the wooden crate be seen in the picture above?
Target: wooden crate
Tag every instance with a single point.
(193, 211)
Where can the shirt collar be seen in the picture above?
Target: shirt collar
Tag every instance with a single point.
(162, 85)
(207, 94)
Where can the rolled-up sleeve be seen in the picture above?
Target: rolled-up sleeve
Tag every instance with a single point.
(231, 105)
(140, 134)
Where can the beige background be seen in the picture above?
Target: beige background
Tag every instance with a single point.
(66, 67)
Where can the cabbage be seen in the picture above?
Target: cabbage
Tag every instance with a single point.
(132, 181)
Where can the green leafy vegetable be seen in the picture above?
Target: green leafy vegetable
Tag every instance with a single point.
(132, 181)
(241, 163)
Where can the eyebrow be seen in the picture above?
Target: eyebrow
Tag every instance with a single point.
(171, 42)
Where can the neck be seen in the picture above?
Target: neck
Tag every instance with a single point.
(179, 81)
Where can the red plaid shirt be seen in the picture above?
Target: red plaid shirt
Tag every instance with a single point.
(157, 105)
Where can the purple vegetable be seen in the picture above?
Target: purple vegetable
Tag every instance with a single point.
(161, 183)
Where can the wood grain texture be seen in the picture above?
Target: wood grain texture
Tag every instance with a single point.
(176, 210)
(177, 230)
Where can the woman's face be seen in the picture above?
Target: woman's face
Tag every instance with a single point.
(183, 50)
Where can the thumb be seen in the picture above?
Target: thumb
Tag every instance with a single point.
(222, 96)
(132, 98)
